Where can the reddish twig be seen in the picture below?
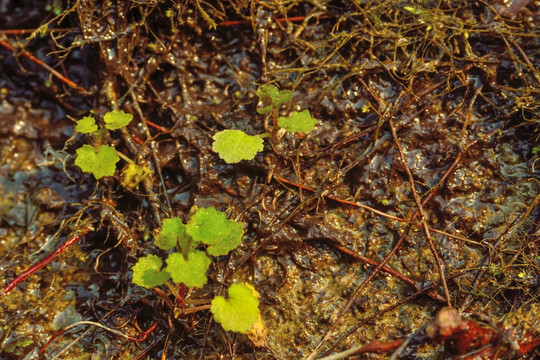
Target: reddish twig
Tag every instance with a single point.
(156, 126)
(144, 335)
(72, 240)
(31, 57)
(138, 338)
(369, 208)
(433, 294)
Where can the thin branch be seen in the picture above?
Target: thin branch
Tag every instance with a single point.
(440, 267)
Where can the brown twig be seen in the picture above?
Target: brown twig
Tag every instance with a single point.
(374, 347)
(421, 211)
(395, 273)
(369, 208)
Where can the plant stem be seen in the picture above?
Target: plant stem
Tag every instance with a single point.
(124, 157)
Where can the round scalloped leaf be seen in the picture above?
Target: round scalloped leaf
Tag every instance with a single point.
(100, 163)
(146, 272)
(117, 119)
(172, 232)
(229, 242)
(190, 272)
(86, 125)
(209, 226)
(235, 145)
(270, 94)
(239, 312)
(298, 122)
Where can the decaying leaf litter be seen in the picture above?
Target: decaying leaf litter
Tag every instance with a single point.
(452, 87)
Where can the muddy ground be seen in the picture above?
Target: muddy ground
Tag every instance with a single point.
(442, 96)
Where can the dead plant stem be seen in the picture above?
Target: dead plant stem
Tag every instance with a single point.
(429, 240)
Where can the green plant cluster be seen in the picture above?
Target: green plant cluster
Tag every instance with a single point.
(100, 160)
(210, 228)
(234, 146)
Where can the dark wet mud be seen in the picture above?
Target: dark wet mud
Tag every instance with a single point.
(431, 103)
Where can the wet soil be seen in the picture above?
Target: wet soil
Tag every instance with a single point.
(456, 82)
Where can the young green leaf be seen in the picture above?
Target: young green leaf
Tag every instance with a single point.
(239, 312)
(170, 231)
(272, 97)
(229, 242)
(100, 163)
(235, 145)
(173, 232)
(117, 119)
(146, 272)
(298, 122)
(211, 226)
(190, 272)
(86, 125)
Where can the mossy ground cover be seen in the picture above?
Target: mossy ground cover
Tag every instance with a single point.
(436, 97)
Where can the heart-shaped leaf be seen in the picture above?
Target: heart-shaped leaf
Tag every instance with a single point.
(100, 163)
(117, 119)
(190, 272)
(239, 312)
(235, 145)
(146, 272)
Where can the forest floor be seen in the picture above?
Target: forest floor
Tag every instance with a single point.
(424, 159)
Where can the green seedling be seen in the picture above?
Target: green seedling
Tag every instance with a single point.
(211, 227)
(100, 160)
(272, 98)
(147, 272)
(207, 227)
(173, 233)
(190, 271)
(234, 146)
(115, 120)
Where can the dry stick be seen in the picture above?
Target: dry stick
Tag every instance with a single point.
(154, 200)
(377, 347)
(139, 338)
(422, 214)
(482, 267)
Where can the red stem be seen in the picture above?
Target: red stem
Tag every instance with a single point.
(72, 240)
(62, 78)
